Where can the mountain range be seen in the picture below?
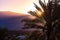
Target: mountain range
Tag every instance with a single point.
(12, 20)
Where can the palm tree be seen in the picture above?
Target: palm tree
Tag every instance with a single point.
(49, 15)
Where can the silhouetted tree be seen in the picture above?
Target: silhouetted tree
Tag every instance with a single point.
(3, 33)
(50, 14)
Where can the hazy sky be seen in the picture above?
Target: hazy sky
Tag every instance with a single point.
(21, 6)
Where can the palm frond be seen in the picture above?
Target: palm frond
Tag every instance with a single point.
(38, 8)
(44, 2)
(42, 5)
(33, 13)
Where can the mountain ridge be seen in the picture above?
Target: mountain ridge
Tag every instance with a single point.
(12, 22)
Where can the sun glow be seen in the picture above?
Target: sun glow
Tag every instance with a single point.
(39, 13)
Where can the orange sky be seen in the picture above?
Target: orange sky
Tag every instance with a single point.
(20, 6)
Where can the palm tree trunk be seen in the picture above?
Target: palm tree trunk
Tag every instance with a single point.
(49, 30)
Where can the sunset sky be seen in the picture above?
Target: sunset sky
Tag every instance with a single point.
(19, 6)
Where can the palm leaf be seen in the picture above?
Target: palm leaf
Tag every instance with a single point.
(42, 5)
(38, 8)
(33, 13)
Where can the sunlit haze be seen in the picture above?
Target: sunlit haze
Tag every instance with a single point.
(19, 6)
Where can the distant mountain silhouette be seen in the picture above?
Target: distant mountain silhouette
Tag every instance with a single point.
(11, 20)
(10, 14)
